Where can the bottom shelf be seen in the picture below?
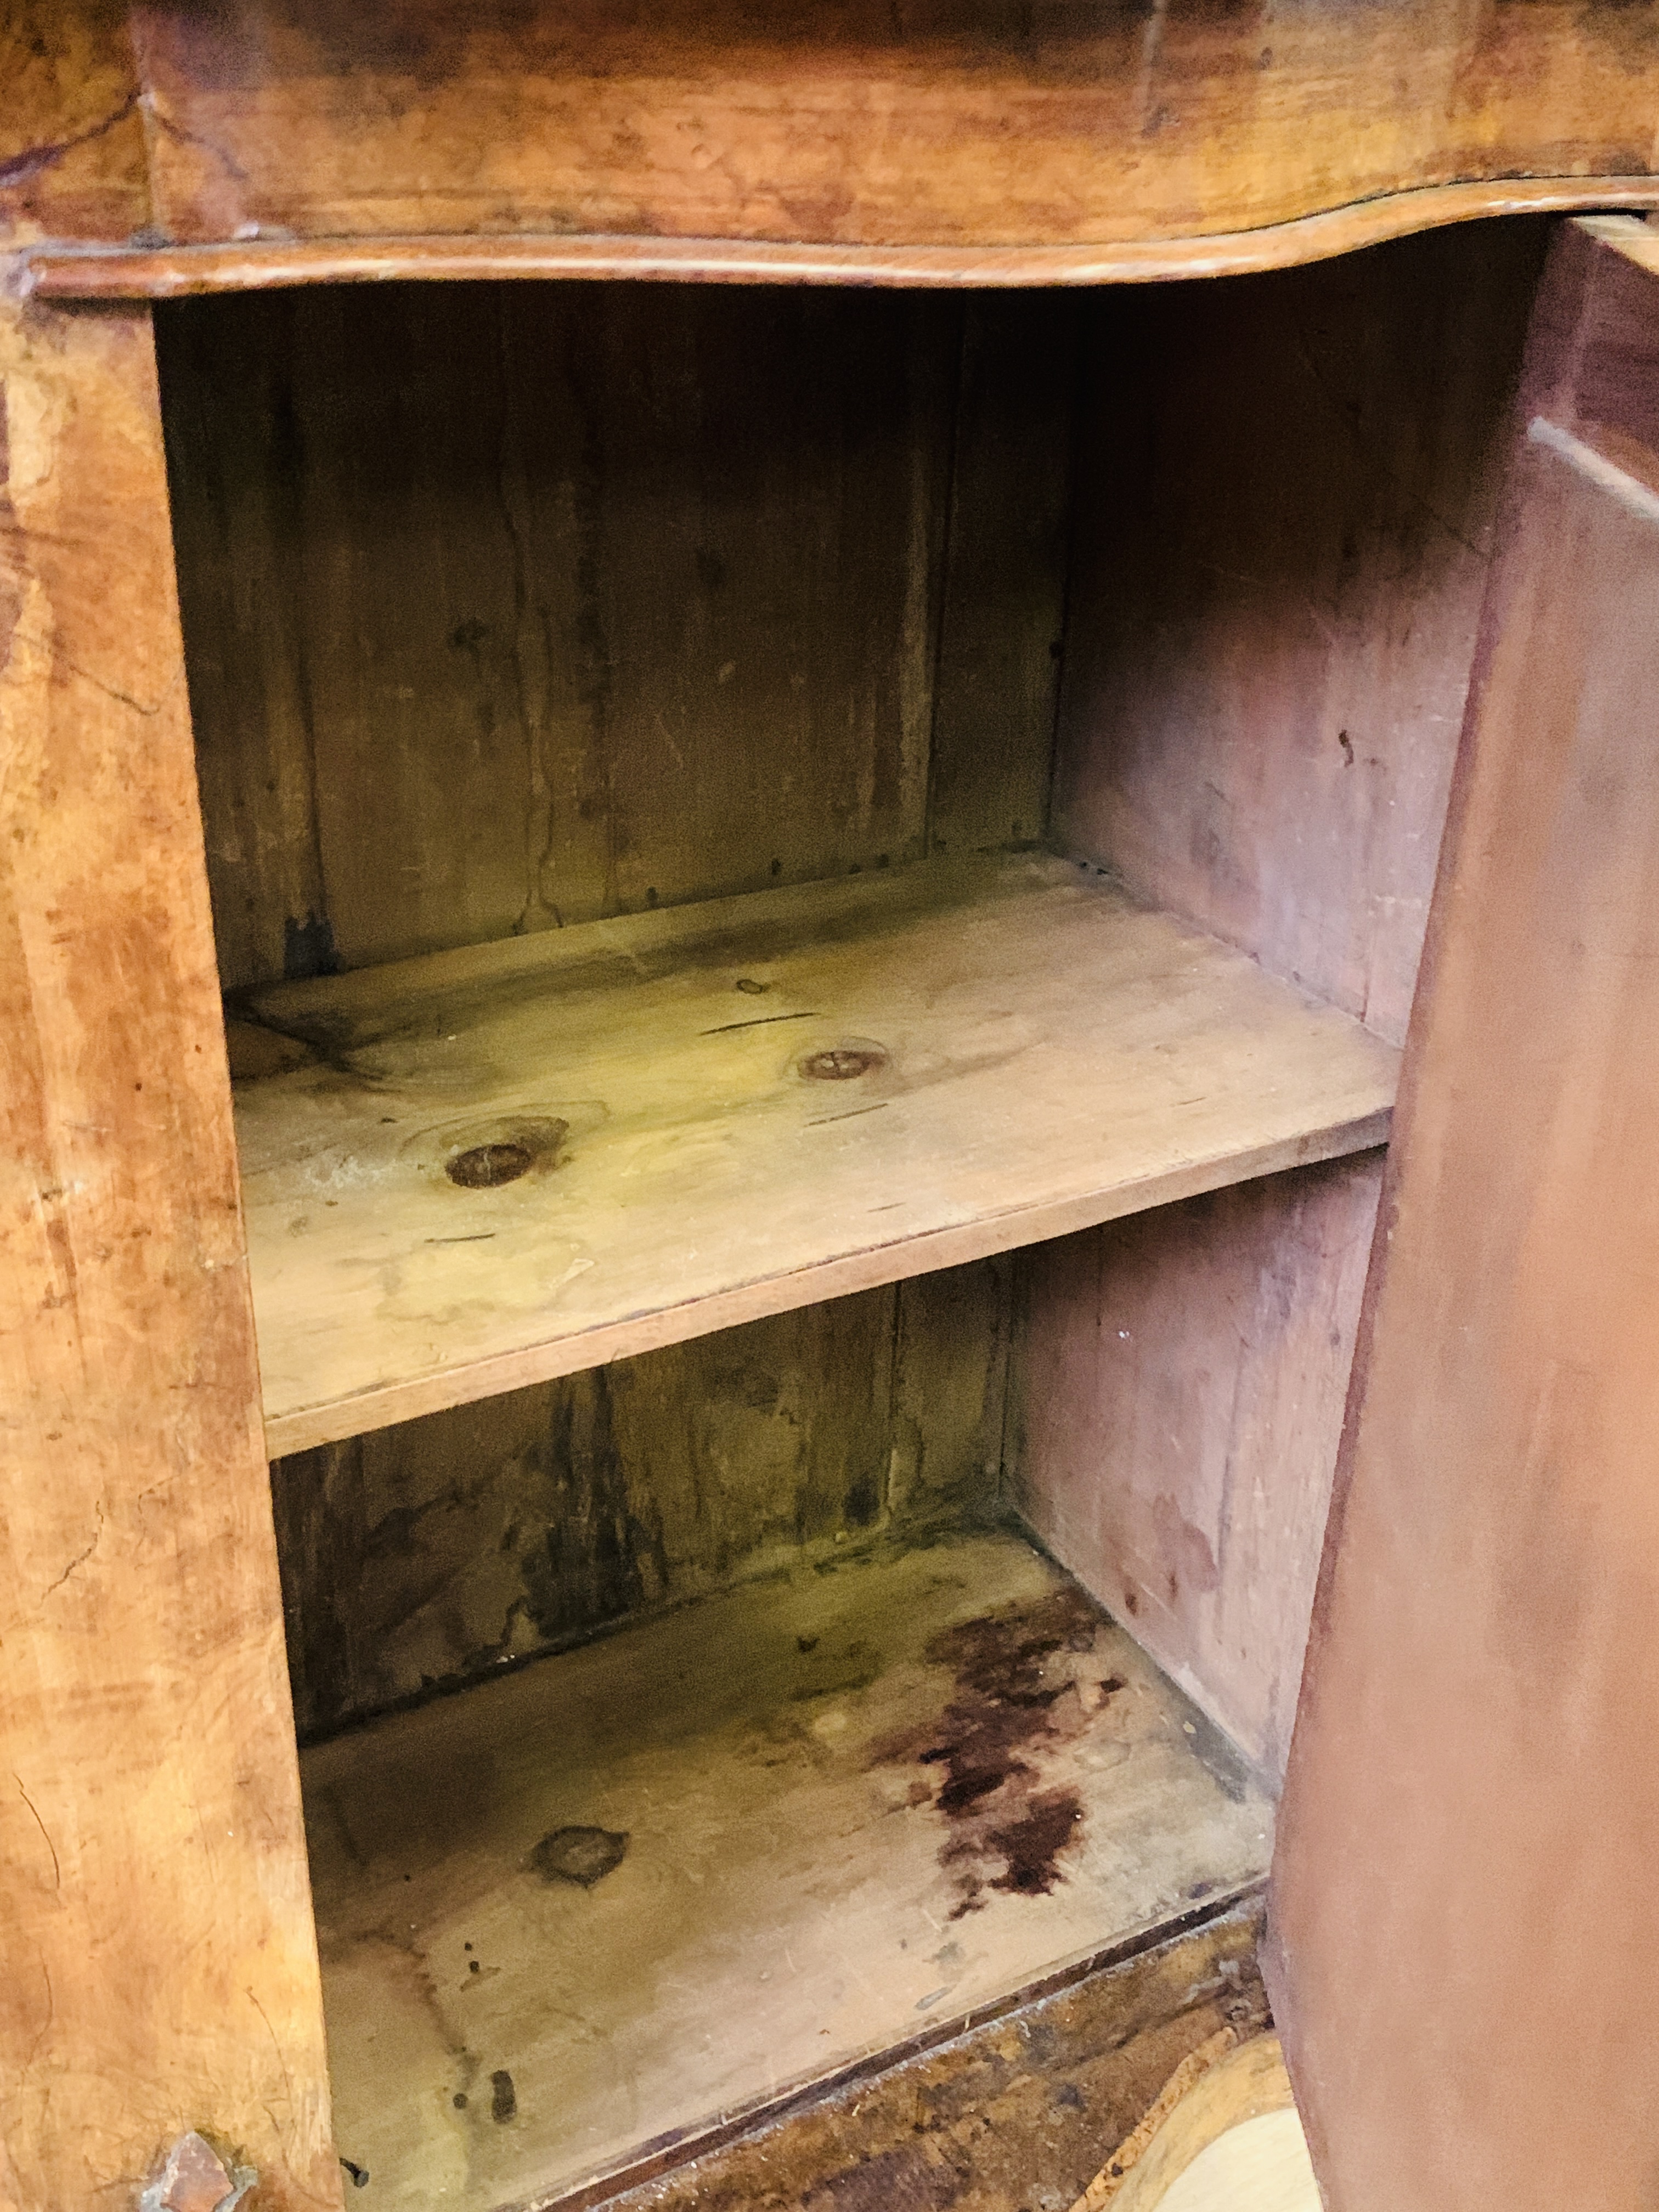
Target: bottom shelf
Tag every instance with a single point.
(607, 1903)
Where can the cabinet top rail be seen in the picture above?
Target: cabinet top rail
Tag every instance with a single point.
(258, 265)
(280, 142)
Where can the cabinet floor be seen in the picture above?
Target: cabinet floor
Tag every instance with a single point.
(603, 1906)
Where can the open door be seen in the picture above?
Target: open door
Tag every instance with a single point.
(1465, 1904)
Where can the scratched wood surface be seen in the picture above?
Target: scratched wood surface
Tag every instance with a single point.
(1020, 2108)
(738, 1108)
(1475, 1769)
(799, 1824)
(432, 1550)
(1231, 2142)
(1276, 586)
(961, 126)
(158, 1969)
(1180, 1381)
(1276, 583)
(587, 600)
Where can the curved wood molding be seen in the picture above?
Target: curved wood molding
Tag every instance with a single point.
(179, 273)
(914, 142)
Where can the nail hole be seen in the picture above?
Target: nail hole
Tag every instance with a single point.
(840, 1063)
(486, 1166)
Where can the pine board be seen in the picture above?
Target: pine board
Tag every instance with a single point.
(1044, 1055)
(858, 1805)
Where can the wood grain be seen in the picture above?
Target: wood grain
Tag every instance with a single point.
(586, 601)
(72, 141)
(1473, 1781)
(1248, 2084)
(193, 272)
(965, 124)
(432, 1551)
(160, 1970)
(1028, 1053)
(1182, 1380)
(1276, 583)
(815, 1868)
(1014, 2110)
(997, 678)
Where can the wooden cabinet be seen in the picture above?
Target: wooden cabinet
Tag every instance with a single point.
(704, 980)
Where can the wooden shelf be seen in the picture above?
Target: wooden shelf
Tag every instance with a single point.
(845, 1810)
(1034, 1053)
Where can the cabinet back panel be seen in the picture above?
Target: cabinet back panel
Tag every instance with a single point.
(431, 1552)
(1286, 495)
(511, 606)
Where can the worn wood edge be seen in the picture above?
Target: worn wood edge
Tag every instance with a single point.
(305, 1427)
(662, 2156)
(1244, 2083)
(1125, 2160)
(1639, 242)
(71, 272)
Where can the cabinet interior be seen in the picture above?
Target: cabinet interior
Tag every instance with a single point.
(817, 894)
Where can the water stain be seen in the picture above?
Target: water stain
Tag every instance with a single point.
(1031, 1845)
(584, 1856)
(1015, 1698)
(308, 948)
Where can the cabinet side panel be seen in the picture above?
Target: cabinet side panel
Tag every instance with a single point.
(159, 1969)
(1180, 1402)
(1464, 1909)
(1286, 510)
(1287, 491)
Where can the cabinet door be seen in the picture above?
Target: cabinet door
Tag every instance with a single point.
(1465, 1906)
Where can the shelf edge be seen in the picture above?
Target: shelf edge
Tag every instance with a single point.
(306, 1428)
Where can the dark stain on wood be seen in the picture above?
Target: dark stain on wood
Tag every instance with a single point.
(504, 2098)
(590, 1563)
(308, 948)
(1005, 1707)
(419, 1557)
(1031, 1843)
